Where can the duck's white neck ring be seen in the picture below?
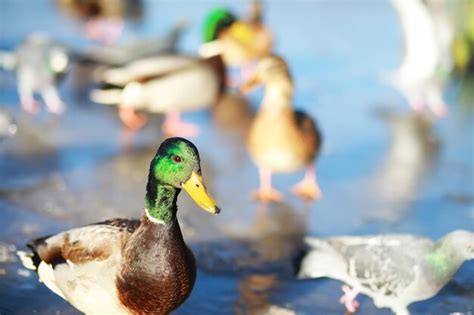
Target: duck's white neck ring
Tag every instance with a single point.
(153, 219)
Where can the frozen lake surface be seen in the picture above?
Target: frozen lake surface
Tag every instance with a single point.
(382, 170)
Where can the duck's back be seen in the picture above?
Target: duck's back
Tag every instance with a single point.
(190, 88)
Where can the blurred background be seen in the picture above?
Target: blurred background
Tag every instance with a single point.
(386, 165)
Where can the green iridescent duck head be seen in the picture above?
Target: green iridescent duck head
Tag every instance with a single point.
(176, 166)
(216, 21)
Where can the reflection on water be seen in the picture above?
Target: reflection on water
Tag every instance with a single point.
(26, 159)
(233, 114)
(269, 242)
(254, 293)
(411, 154)
(8, 125)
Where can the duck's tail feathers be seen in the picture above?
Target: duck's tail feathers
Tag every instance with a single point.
(27, 259)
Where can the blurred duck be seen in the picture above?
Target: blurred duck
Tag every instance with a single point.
(240, 42)
(125, 266)
(427, 61)
(394, 270)
(280, 138)
(167, 84)
(104, 18)
(233, 114)
(39, 64)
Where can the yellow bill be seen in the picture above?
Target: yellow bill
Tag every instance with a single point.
(242, 32)
(196, 189)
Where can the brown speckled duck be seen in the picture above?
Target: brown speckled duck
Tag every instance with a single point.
(280, 138)
(124, 266)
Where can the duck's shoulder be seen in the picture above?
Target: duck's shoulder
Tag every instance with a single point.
(123, 225)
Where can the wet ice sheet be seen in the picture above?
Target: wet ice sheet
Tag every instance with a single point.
(61, 172)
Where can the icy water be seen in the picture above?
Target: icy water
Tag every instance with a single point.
(381, 170)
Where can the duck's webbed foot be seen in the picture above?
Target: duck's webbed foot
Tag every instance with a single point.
(53, 102)
(308, 188)
(131, 118)
(266, 193)
(30, 106)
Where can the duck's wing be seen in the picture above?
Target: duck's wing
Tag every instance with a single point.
(146, 69)
(383, 264)
(81, 261)
(92, 242)
(310, 131)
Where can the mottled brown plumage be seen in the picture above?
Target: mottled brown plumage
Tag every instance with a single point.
(173, 264)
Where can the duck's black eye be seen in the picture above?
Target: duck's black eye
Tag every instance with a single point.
(177, 158)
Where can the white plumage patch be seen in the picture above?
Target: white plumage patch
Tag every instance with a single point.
(46, 275)
(26, 259)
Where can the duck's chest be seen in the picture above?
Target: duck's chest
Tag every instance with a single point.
(274, 142)
(157, 278)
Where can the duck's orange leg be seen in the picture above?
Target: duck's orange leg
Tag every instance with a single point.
(308, 188)
(174, 126)
(266, 193)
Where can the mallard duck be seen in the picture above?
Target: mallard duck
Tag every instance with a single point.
(166, 84)
(124, 266)
(394, 270)
(39, 64)
(280, 138)
(240, 41)
(104, 19)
